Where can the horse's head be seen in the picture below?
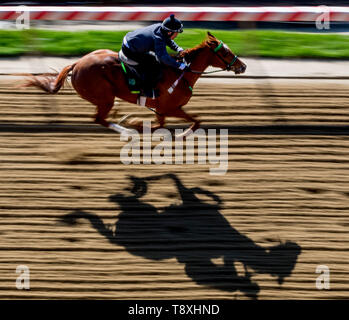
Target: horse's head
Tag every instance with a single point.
(223, 57)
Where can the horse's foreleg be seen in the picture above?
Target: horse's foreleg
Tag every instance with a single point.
(179, 113)
(138, 124)
(161, 122)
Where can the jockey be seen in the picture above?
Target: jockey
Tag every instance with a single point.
(145, 50)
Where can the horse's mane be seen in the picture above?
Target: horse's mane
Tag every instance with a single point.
(190, 54)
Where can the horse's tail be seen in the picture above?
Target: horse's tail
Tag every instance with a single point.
(48, 83)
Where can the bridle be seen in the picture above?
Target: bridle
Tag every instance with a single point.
(228, 64)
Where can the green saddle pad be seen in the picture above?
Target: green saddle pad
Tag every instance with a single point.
(132, 78)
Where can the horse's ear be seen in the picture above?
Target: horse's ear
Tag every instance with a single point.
(210, 35)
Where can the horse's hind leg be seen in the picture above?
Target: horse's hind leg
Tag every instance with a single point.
(101, 115)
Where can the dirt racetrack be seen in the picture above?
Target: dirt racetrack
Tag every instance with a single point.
(88, 226)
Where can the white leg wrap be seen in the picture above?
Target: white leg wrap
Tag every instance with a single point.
(120, 129)
(141, 101)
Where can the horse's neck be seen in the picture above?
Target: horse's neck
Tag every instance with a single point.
(199, 63)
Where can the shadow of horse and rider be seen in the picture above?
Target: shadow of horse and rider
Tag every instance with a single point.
(195, 233)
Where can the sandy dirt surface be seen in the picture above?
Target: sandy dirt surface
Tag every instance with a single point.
(88, 226)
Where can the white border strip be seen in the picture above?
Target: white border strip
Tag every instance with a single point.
(183, 13)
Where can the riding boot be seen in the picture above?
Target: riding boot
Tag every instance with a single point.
(146, 93)
(150, 92)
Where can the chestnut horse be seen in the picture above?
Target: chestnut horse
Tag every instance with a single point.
(98, 78)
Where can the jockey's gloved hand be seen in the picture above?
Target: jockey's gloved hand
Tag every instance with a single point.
(179, 49)
(183, 66)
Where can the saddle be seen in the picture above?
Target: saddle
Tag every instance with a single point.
(135, 82)
(132, 77)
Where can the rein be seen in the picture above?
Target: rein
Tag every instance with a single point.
(208, 72)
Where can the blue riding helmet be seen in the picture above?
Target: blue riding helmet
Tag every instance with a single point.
(172, 24)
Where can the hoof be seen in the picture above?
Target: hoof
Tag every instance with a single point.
(188, 132)
(195, 126)
(124, 118)
(135, 123)
(121, 129)
(156, 127)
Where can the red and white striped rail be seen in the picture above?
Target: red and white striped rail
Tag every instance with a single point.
(183, 13)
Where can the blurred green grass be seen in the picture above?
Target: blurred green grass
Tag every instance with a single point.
(255, 43)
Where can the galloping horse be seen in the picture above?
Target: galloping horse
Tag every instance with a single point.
(98, 78)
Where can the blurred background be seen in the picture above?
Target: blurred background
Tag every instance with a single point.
(283, 25)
